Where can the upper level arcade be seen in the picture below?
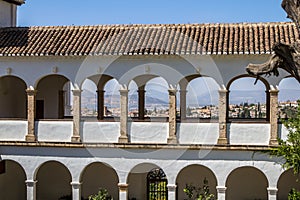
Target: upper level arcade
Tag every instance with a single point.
(149, 84)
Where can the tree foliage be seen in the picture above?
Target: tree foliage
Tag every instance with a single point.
(198, 193)
(290, 149)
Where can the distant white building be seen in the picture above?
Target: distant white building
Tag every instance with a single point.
(47, 154)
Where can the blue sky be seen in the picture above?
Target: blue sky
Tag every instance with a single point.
(92, 12)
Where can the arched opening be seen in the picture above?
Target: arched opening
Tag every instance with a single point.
(202, 103)
(53, 181)
(89, 99)
(246, 183)
(12, 181)
(13, 98)
(133, 100)
(112, 99)
(147, 181)
(195, 175)
(157, 98)
(96, 176)
(289, 93)
(248, 100)
(286, 182)
(50, 99)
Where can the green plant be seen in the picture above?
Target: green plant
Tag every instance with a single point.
(290, 149)
(198, 193)
(294, 195)
(102, 195)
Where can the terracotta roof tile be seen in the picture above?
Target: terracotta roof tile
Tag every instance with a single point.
(243, 38)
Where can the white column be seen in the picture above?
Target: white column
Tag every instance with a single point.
(272, 193)
(221, 192)
(76, 115)
(76, 190)
(123, 191)
(124, 116)
(172, 116)
(31, 189)
(171, 191)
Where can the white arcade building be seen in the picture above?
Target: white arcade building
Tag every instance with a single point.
(50, 150)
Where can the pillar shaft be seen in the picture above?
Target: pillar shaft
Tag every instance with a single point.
(273, 116)
(76, 190)
(141, 93)
(172, 116)
(171, 191)
(222, 117)
(123, 191)
(183, 104)
(124, 116)
(31, 94)
(272, 193)
(76, 115)
(221, 192)
(100, 104)
(31, 189)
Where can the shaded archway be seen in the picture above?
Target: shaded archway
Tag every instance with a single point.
(50, 97)
(247, 100)
(246, 183)
(137, 180)
(53, 181)
(195, 175)
(99, 175)
(286, 182)
(12, 181)
(12, 97)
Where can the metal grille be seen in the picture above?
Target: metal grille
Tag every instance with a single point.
(157, 185)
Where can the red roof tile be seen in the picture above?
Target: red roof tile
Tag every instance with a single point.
(182, 39)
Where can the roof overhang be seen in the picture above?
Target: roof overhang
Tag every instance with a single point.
(17, 2)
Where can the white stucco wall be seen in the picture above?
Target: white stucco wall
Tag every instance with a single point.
(282, 132)
(101, 132)
(198, 133)
(58, 131)
(148, 132)
(255, 134)
(13, 130)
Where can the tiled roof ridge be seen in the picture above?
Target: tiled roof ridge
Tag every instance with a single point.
(149, 25)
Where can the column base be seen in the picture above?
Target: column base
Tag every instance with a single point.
(273, 142)
(30, 138)
(172, 140)
(222, 141)
(123, 139)
(76, 139)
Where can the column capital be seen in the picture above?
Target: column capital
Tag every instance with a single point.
(31, 91)
(172, 91)
(172, 187)
(272, 191)
(223, 91)
(30, 183)
(221, 189)
(123, 187)
(123, 91)
(100, 91)
(76, 185)
(76, 92)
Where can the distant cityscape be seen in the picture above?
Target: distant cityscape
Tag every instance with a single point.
(158, 108)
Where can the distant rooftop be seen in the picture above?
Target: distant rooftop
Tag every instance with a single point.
(157, 39)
